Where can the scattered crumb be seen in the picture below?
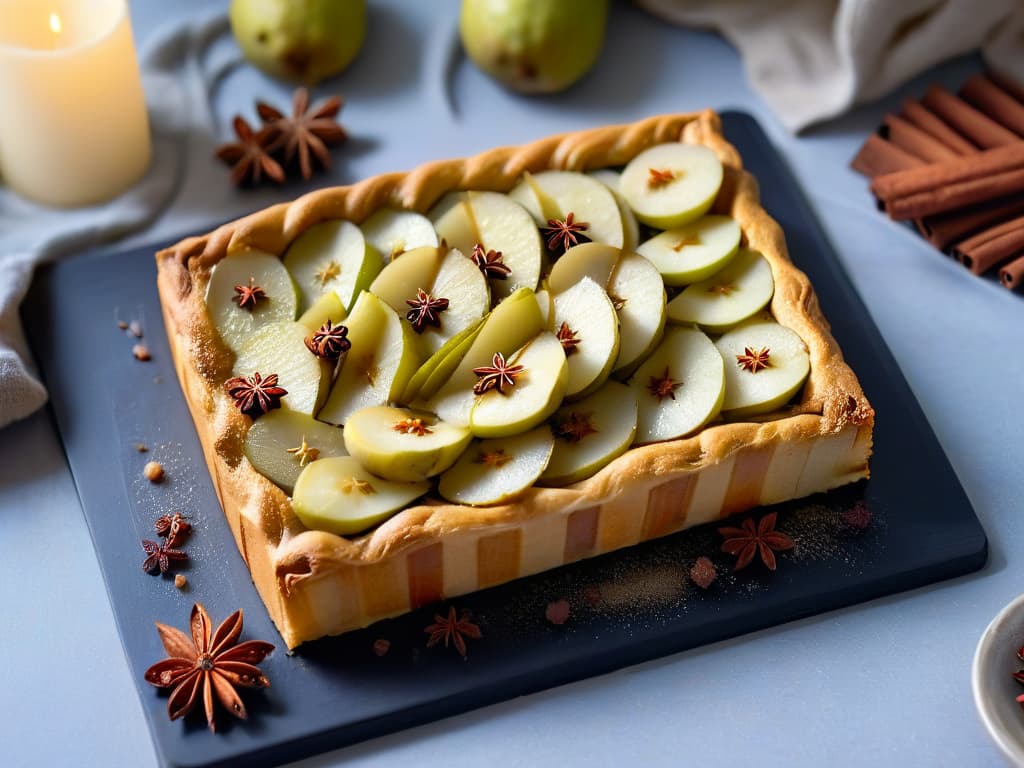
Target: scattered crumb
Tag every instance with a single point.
(135, 329)
(592, 595)
(122, 325)
(858, 516)
(180, 581)
(703, 572)
(141, 352)
(557, 612)
(381, 647)
(141, 447)
(153, 471)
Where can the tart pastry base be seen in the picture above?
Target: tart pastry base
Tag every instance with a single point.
(316, 583)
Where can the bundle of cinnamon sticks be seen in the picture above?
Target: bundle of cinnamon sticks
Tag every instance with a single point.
(953, 164)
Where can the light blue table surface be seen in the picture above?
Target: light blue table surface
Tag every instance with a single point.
(884, 683)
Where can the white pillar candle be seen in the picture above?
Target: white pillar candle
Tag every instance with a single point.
(73, 125)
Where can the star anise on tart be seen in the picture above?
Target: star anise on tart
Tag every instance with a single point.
(255, 395)
(304, 452)
(663, 386)
(495, 459)
(574, 427)
(569, 338)
(751, 539)
(355, 485)
(684, 241)
(490, 262)
(426, 310)
(305, 135)
(248, 296)
(412, 426)
(563, 234)
(209, 666)
(455, 628)
(754, 360)
(498, 375)
(329, 341)
(161, 556)
(248, 157)
(662, 177)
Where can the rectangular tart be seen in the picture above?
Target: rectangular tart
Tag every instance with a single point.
(316, 583)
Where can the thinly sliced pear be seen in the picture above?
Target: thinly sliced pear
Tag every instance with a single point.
(281, 348)
(392, 232)
(378, 365)
(234, 323)
(433, 373)
(403, 445)
(590, 433)
(398, 282)
(506, 227)
(694, 251)
(327, 307)
(339, 496)
(281, 443)
(498, 470)
(765, 365)
(594, 260)
(741, 289)
(590, 202)
(691, 176)
(332, 255)
(537, 391)
(454, 223)
(679, 387)
(630, 227)
(547, 306)
(586, 312)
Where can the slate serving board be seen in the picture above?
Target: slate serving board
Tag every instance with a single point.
(909, 525)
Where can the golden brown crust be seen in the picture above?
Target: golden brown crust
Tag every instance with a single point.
(832, 394)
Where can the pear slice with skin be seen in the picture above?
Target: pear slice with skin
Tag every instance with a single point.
(454, 223)
(586, 313)
(537, 392)
(327, 307)
(547, 306)
(379, 363)
(590, 202)
(339, 496)
(671, 184)
(765, 365)
(590, 433)
(391, 232)
(741, 289)
(236, 324)
(498, 470)
(403, 445)
(332, 255)
(694, 251)
(433, 373)
(680, 387)
(630, 227)
(281, 443)
(504, 226)
(281, 348)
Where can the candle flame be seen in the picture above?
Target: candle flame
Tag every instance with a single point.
(55, 25)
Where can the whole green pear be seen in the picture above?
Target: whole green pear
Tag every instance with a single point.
(534, 46)
(299, 40)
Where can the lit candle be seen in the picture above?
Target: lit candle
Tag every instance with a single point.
(73, 125)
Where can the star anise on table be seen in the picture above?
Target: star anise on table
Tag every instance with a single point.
(174, 527)
(497, 375)
(660, 177)
(663, 386)
(160, 556)
(306, 134)
(563, 234)
(754, 360)
(574, 427)
(569, 338)
(209, 666)
(329, 341)
(455, 628)
(249, 295)
(426, 310)
(751, 539)
(255, 395)
(490, 262)
(248, 157)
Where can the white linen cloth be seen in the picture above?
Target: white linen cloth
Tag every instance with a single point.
(814, 59)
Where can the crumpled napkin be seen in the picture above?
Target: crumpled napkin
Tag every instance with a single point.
(814, 59)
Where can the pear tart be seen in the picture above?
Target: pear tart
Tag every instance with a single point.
(432, 382)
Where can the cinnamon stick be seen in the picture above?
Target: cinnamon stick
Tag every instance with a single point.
(982, 130)
(995, 102)
(913, 140)
(946, 228)
(1012, 274)
(879, 156)
(927, 121)
(953, 196)
(991, 247)
(960, 169)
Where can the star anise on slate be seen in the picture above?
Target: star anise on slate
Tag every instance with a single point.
(574, 427)
(753, 360)
(426, 310)
(453, 627)
(249, 295)
(564, 234)
(306, 134)
(175, 527)
(490, 262)
(663, 386)
(750, 539)
(256, 394)
(659, 178)
(497, 375)
(160, 556)
(329, 341)
(208, 666)
(569, 338)
(248, 157)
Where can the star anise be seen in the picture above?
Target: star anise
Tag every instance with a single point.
(497, 375)
(175, 527)
(426, 310)
(360, 486)
(304, 452)
(490, 262)
(306, 134)
(249, 295)
(663, 386)
(412, 426)
(453, 627)
(574, 427)
(569, 338)
(208, 666)
(659, 178)
(248, 157)
(329, 341)
(160, 556)
(495, 459)
(722, 289)
(750, 539)
(564, 234)
(686, 240)
(753, 360)
(255, 395)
